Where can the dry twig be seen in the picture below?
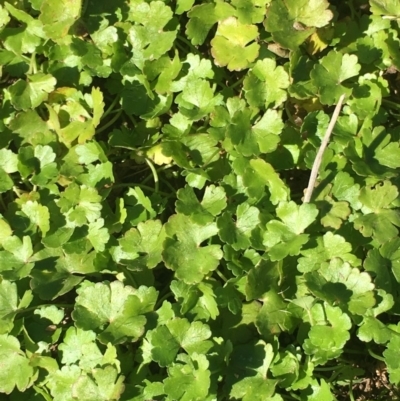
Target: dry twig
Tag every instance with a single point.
(318, 158)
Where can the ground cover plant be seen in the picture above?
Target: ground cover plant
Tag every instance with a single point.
(154, 242)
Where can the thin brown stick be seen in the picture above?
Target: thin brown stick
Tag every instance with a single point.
(318, 158)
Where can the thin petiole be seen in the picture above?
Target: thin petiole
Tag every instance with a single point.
(109, 123)
(155, 175)
(110, 108)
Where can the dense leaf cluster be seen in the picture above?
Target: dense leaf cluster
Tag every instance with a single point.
(153, 240)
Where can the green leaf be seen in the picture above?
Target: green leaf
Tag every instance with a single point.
(385, 7)
(286, 368)
(197, 68)
(328, 334)
(16, 258)
(261, 174)
(237, 231)
(241, 135)
(329, 246)
(389, 155)
(379, 196)
(213, 203)
(197, 99)
(255, 388)
(5, 230)
(384, 264)
(80, 204)
(6, 183)
(98, 235)
(310, 13)
(345, 189)
(274, 318)
(117, 311)
(4, 17)
(203, 17)
(138, 206)
(286, 238)
(373, 329)
(38, 214)
(96, 103)
(31, 128)
(33, 92)
(183, 6)
(332, 70)
(250, 11)
(320, 391)
(199, 300)
(137, 100)
(391, 355)
(297, 218)
(293, 33)
(334, 217)
(379, 220)
(58, 17)
(230, 46)
(70, 382)
(178, 333)
(183, 253)
(265, 84)
(332, 279)
(51, 313)
(367, 96)
(143, 245)
(79, 347)
(149, 39)
(267, 131)
(54, 282)
(8, 161)
(188, 380)
(8, 305)
(17, 371)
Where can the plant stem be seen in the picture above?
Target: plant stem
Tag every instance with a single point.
(208, 161)
(351, 395)
(376, 356)
(221, 275)
(32, 308)
(84, 7)
(168, 184)
(162, 299)
(109, 123)
(155, 175)
(235, 84)
(2, 204)
(32, 64)
(131, 119)
(327, 369)
(188, 43)
(318, 158)
(42, 393)
(135, 184)
(17, 191)
(129, 276)
(391, 104)
(110, 108)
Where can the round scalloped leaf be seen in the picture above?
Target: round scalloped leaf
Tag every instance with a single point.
(289, 35)
(16, 370)
(385, 7)
(230, 46)
(58, 16)
(331, 71)
(266, 84)
(32, 92)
